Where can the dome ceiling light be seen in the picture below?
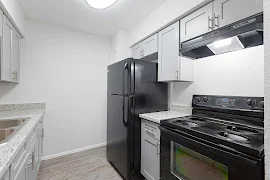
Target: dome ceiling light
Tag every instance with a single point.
(100, 4)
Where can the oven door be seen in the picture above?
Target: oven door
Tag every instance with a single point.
(185, 157)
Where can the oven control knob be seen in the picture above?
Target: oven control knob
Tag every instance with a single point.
(205, 99)
(198, 99)
(251, 102)
(261, 104)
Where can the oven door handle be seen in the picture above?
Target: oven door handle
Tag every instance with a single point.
(181, 137)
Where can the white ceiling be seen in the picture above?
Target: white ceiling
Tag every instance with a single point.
(77, 15)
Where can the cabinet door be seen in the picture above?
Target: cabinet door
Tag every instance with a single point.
(40, 146)
(150, 45)
(168, 53)
(137, 51)
(23, 172)
(7, 46)
(6, 176)
(1, 22)
(36, 160)
(16, 53)
(230, 11)
(197, 23)
(150, 159)
(31, 165)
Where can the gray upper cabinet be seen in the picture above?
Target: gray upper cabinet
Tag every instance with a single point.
(145, 48)
(16, 53)
(6, 51)
(1, 23)
(197, 23)
(137, 51)
(150, 45)
(150, 160)
(168, 53)
(11, 52)
(230, 11)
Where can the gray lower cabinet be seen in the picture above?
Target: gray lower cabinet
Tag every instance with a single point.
(150, 161)
(150, 150)
(6, 176)
(25, 165)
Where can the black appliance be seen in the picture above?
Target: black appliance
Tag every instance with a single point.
(132, 89)
(223, 139)
(244, 34)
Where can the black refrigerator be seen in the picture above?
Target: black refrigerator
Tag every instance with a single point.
(132, 89)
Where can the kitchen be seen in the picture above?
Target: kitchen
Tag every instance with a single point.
(62, 78)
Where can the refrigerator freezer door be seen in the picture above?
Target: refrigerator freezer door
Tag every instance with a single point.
(117, 133)
(118, 77)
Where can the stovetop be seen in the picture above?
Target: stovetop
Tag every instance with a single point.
(243, 138)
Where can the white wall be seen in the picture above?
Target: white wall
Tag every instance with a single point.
(238, 73)
(164, 14)
(267, 86)
(67, 70)
(15, 14)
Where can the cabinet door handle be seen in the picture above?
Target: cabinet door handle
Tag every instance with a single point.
(158, 150)
(14, 76)
(210, 23)
(216, 21)
(176, 74)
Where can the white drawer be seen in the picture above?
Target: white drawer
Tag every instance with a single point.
(151, 129)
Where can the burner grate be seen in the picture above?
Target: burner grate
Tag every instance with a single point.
(242, 130)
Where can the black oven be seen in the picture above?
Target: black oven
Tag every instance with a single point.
(186, 157)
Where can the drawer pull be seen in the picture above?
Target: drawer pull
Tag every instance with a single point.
(150, 126)
(151, 133)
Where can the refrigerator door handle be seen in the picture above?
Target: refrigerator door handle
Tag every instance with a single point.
(124, 85)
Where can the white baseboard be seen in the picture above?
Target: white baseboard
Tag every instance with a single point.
(72, 151)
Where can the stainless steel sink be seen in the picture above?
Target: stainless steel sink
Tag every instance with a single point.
(9, 127)
(11, 123)
(5, 133)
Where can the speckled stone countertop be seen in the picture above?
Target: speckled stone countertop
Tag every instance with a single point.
(10, 149)
(175, 112)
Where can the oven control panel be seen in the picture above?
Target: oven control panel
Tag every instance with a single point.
(231, 102)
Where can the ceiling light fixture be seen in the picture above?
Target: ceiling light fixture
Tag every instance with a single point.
(100, 4)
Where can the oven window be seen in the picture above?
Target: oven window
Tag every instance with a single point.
(190, 165)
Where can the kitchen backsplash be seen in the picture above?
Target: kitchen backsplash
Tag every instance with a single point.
(26, 106)
(183, 109)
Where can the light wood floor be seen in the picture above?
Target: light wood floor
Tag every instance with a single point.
(86, 165)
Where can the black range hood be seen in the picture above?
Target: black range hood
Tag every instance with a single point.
(242, 34)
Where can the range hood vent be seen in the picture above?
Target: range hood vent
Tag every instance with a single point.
(242, 34)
